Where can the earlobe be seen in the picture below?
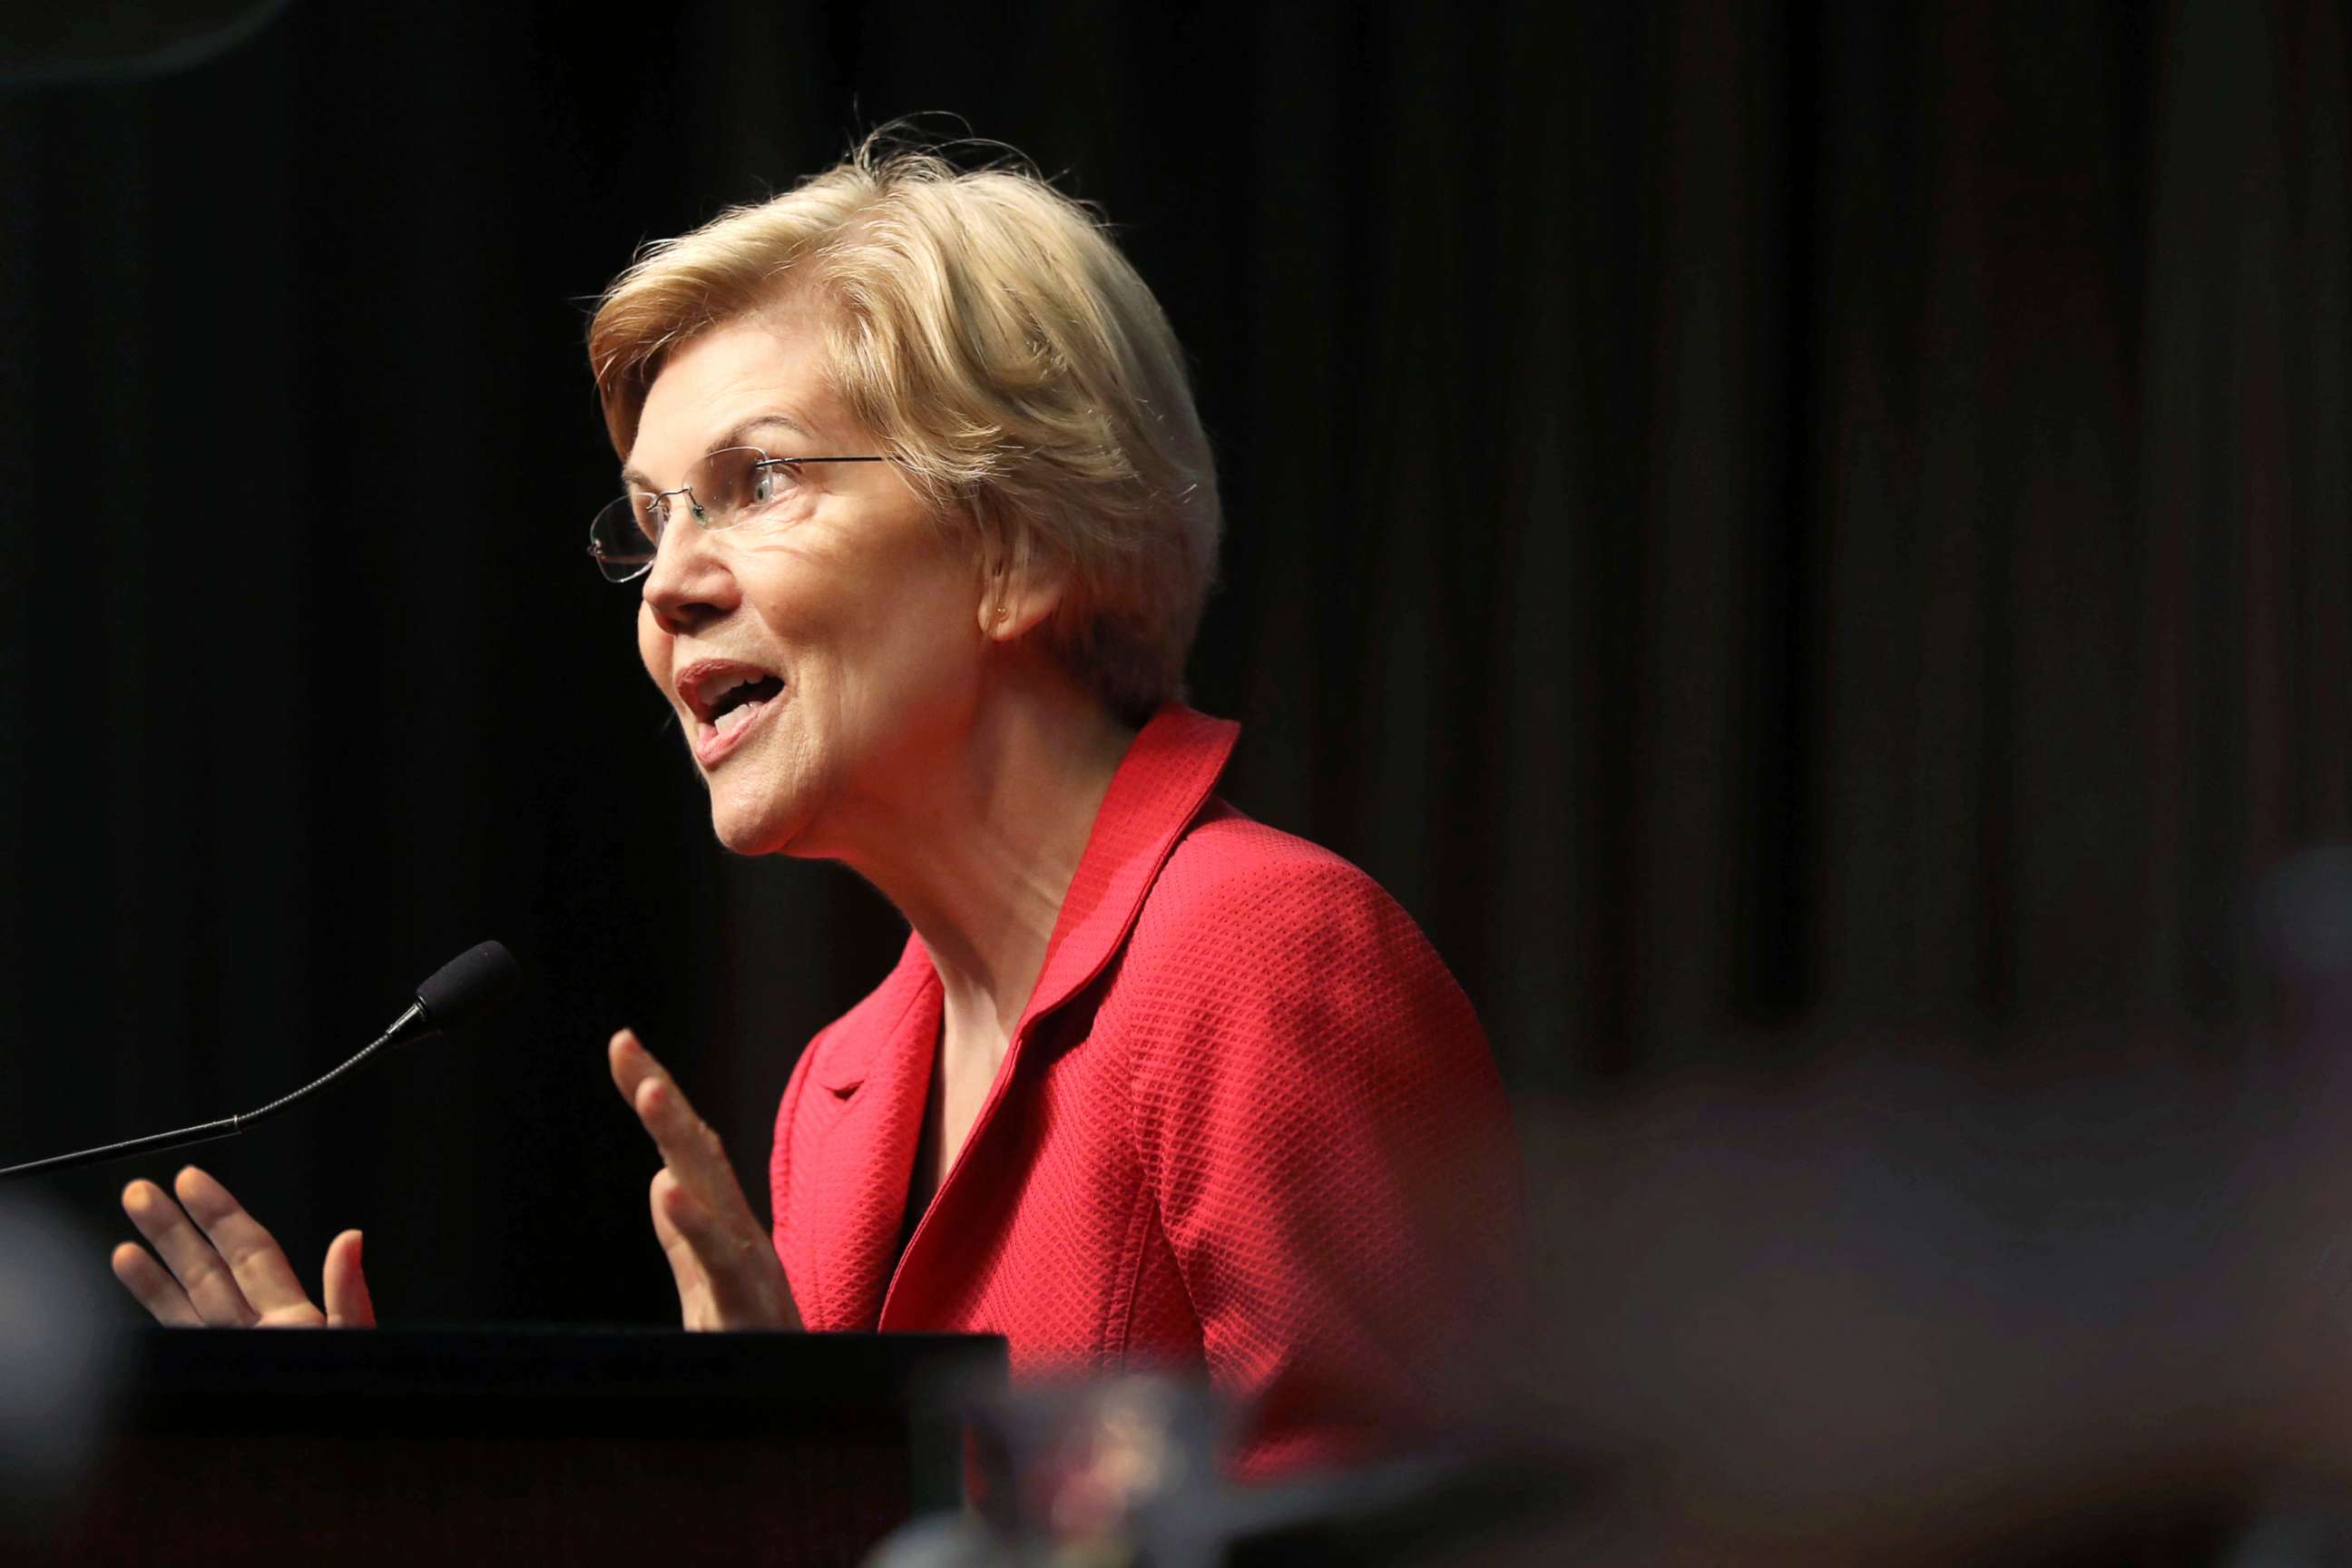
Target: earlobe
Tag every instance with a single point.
(1015, 604)
(1009, 617)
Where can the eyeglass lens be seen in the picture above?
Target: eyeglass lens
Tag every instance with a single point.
(628, 531)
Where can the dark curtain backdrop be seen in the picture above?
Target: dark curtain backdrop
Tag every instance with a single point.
(1761, 524)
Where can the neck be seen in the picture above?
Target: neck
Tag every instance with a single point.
(981, 858)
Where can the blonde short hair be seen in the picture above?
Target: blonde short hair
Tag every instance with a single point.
(986, 330)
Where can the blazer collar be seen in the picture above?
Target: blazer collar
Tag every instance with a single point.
(1160, 787)
(1168, 774)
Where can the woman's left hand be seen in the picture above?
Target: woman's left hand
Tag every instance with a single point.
(725, 1266)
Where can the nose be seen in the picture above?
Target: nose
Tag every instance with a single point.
(690, 584)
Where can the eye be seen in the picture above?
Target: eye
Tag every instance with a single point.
(774, 480)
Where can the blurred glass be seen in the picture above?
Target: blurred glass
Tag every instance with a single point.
(61, 1343)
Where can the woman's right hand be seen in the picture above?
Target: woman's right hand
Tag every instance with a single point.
(221, 1268)
(723, 1258)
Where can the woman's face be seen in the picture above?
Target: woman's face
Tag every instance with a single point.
(837, 605)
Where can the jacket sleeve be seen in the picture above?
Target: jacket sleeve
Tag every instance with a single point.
(1317, 1111)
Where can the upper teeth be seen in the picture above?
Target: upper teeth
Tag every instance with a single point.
(712, 690)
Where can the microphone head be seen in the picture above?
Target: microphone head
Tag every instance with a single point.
(474, 982)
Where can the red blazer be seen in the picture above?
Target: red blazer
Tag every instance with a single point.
(1248, 1126)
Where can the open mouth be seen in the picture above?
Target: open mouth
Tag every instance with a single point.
(724, 697)
(735, 706)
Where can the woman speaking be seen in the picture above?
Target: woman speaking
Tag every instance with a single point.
(921, 519)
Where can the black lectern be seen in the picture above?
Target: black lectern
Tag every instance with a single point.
(514, 1448)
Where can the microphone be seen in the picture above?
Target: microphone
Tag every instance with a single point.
(470, 984)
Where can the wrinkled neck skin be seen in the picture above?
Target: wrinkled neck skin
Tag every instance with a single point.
(979, 855)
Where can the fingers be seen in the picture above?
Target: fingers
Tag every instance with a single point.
(349, 1305)
(635, 1071)
(688, 1147)
(224, 1269)
(153, 1285)
(724, 1261)
(728, 1275)
(210, 1287)
(630, 1062)
(255, 1259)
(695, 1285)
(681, 1216)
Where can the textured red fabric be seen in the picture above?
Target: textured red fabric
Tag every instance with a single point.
(1248, 1125)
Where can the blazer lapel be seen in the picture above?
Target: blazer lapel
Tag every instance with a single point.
(866, 1158)
(1161, 784)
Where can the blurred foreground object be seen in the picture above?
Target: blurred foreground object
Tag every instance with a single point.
(2303, 917)
(1938, 1299)
(1124, 1473)
(60, 1360)
(117, 42)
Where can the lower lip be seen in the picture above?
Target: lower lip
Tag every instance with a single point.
(713, 746)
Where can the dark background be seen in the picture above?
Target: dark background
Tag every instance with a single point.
(1764, 525)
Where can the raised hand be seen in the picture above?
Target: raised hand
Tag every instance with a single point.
(221, 1268)
(725, 1265)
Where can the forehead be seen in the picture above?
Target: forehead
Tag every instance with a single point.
(740, 370)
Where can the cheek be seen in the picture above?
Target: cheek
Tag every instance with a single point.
(879, 683)
(651, 644)
(890, 623)
(919, 631)
(923, 675)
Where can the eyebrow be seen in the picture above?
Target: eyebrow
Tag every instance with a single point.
(737, 434)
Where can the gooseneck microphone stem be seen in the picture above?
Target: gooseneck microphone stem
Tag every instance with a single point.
(208, 1132)
(402, 1027)
(474, 980)
(227, 1127)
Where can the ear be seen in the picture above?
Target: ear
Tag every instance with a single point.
(1013, 601)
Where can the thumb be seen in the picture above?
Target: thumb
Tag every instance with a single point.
(348, 1305)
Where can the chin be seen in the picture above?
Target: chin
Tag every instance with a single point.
(753, 840)
(754, 830)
